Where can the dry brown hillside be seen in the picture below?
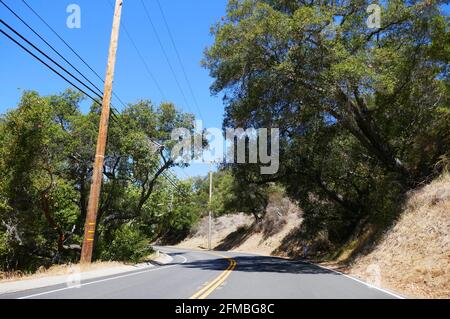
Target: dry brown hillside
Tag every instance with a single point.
(413, 257)
(238, 232)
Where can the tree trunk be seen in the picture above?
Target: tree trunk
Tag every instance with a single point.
(362, 126)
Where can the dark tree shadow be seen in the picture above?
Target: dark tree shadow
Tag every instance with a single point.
(259, 264)
(291, 245)
(235, 238)
(173, 238)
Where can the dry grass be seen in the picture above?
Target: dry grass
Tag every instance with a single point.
(57, 270)
(260, 243)
(276, 215)
(221, 227)
(414, 255)
(238, 232)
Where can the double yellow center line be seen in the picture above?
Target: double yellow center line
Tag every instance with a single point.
(209, 288)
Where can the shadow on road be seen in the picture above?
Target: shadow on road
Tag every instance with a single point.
(259, 264)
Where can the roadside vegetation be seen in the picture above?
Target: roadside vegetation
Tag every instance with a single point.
(46, 155)
(413, 256)
(364, 114)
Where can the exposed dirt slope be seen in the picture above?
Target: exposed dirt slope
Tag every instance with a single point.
(221, 228)
(413, 257)
(239, 232)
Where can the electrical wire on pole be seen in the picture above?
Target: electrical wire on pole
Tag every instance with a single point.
(62, 57)
(180, 61)
(48, 44)
(71, 49)
(49, 58)
(141, 58)
(177, 82)
(61, 38)
(48, 66)
(55, 63)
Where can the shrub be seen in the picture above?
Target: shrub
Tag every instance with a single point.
(4, 251)
(129, 244)
(275, 216)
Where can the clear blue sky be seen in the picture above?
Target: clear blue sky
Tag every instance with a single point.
(189, 21)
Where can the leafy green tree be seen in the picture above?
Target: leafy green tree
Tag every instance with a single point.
(46, 155)
(363, 113)
(231, 194)
(128, 244)
(38, 202)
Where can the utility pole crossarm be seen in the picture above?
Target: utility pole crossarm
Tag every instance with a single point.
(97, 175)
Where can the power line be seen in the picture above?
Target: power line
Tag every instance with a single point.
(49, 58)
(82, 91)
(141, 57)
(61, 56)
(165, 54)
(48, 44)
(174, 184)
(67, 45)
(113, 109)
(51, 68)
(48, 66)
(71, 49)
(171, 178)
(179, 58)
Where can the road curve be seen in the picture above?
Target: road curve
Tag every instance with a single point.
(228, 275)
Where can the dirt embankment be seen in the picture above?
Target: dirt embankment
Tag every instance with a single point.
(413, 257)
(238, 232)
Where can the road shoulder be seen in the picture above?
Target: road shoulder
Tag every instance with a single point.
(76, 275)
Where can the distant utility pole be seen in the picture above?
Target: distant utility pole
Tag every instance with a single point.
(210, 213)
(97, 175)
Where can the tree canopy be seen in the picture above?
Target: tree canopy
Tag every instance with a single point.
(363, 113)
(46, 155)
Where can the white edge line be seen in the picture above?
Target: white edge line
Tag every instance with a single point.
(340, 273)
(101, 280)
(336, 271)
(329, 269)
(358, 280)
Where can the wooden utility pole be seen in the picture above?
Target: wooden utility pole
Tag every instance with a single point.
(97, 175)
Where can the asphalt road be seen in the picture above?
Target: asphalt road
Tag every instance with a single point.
(217, 275)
